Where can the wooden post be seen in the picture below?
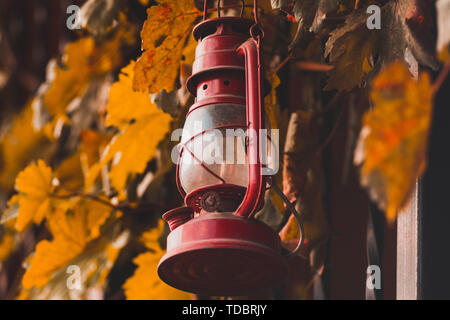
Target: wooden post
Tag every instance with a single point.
(409, 249)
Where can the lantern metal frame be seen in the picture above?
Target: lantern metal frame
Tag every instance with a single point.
(226, 252)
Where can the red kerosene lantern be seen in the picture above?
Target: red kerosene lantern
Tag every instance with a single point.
(215, 246)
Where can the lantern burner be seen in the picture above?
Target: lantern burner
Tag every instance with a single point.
(228, 196)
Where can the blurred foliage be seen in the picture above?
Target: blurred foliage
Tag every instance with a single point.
(85, 169)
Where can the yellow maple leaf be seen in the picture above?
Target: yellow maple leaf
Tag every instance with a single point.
(273, 114)
(52, 130)
(163, 37)
(72, 79)
(144, 2)
(72, 225)
(142, 126)
(34, 185)
(121, 112)
(392, 144)
(92, 146)
(84, 60)
(353, 63)
(6, 246)
(271, 107)
(349, 49)
(69, 174)
(19, 145)
(145, 283)
(444, 54)
(188, 53)
(95, 263)
(290, 231)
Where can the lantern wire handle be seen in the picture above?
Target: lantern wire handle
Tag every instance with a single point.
(205, 8)
(255, 13)
(256, 30)
(291, 208)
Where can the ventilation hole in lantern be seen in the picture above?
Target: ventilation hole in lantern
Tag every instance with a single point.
(226, 82)
(205, 86)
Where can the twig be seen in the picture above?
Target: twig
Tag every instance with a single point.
(281, 64)
(334, 20)
(441, 78)
(88, 196)
(330, 106)
(331, 135)
(314, 66)
(121, 206)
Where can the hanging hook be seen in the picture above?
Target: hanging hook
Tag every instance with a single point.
(255, 15)
(242, 8)
(205, 9)
(255, 11)
(256, 30)
(218, 8)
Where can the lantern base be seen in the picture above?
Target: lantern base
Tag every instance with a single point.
(220, 254)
